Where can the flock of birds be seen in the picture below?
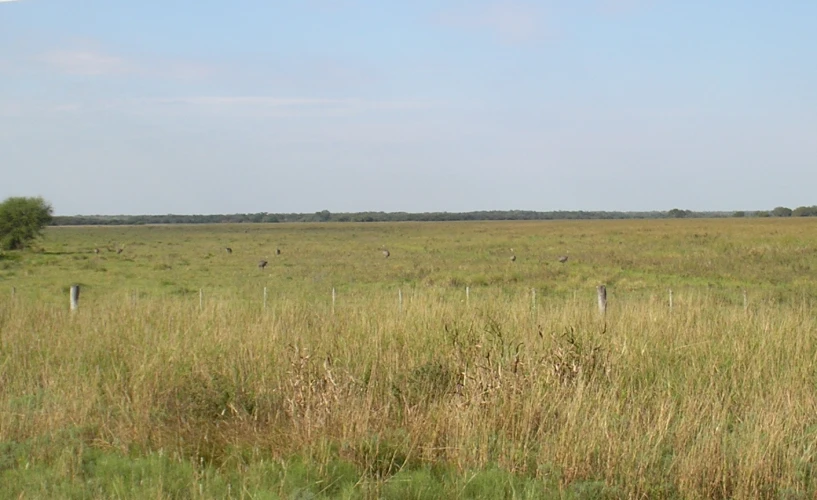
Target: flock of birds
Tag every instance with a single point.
(386, 254)
(562, 258)
(263, 263)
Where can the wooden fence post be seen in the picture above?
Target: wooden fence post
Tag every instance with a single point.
(333, 301)
(400, 299)
(74, 296)
(670, 299)
(602, 293)
(467, 295)
(201, 299)
(265, 297)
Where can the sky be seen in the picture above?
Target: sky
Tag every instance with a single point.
(204, 107)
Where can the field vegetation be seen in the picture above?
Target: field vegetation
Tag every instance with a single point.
(176, 379)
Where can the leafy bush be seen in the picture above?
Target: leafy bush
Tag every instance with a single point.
(22, 220)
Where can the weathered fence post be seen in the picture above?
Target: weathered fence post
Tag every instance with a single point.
(400, 299)
(333, 301)
(201, 299)
(265, 297)
(670, 299)
(602, 293)
(467, 295)
(74, 296)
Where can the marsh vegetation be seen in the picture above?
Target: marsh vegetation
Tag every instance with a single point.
(151, 389)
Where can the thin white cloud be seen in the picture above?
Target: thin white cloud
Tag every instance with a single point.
(214, 106)
(509, 20)
(269, 105)
(249, 101)
(87, 63)
(5, 1)
(95, 63)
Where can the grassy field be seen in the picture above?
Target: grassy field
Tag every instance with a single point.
(175, 379)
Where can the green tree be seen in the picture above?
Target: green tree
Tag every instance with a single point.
(781, 212)
(804, 211)
(22, 220)
(678, 213)
(739, 213)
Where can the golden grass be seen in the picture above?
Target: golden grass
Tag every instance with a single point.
(707, 400)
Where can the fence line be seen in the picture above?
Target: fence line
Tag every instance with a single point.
(731, 296)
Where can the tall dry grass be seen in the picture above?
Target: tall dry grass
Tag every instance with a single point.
(706, 400)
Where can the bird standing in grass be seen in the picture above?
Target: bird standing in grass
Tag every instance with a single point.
(262, 264)
(563, 259)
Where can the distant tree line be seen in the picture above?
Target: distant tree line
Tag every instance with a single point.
(491, 215)
(326, 216)
(788, 212)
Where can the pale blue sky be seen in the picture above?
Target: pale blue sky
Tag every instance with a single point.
(452, 105)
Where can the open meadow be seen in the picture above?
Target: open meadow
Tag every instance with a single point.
(447, 370)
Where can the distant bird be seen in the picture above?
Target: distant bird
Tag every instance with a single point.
(277, 251)
(513, 255)
(386, 253)
(96, 251)
(262, 264)
(563, 259)
(228, 249)
(119, 250)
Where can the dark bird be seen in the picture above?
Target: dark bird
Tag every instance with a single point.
(228, 250)
(386, 253)
(119, 250)
(513, 258)
(563, 259)
(262, 264)
(96, 250)
(277, 251)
